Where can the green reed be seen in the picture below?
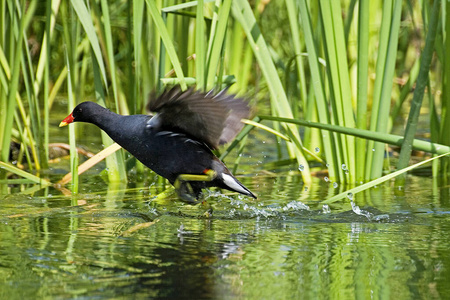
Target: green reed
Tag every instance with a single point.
(321, 61)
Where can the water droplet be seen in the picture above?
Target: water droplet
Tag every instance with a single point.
(350, 196)
(326, 209)
(373, 149)
(344, 167)
(296, 205)
(361, 212)
(335, 184)
(355, 207)
(381, 217)
(301, 168)
(326, 179)
(306, 188)
(317, 149)
(327, 165)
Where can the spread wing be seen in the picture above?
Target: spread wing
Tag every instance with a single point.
(214, 119)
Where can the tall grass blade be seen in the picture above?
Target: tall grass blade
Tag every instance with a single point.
(422, 82)
(32, 120)
(337, 67)
(385, 73)
(51, 13)
(331, 152)
(444, 137)
(216, 42)
(72, 141)
(200, 36)
(295, 26)
(13, 87)
(239, 65)
(165, 36)
(110, 51)
(85, 19)
(362, 83)
(138, 20)
(243, 13)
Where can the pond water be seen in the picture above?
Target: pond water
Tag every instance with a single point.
(113, 241)
(116, 241)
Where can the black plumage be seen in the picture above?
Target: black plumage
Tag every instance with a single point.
(178, 139)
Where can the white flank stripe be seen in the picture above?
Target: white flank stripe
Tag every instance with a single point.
(231, 182)
(161, 133)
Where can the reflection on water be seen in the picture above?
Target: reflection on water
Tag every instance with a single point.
(285, 245)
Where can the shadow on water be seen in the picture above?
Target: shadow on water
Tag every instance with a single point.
(118, 242)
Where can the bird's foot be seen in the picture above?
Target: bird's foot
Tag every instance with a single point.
(188, 198)
(184, 188)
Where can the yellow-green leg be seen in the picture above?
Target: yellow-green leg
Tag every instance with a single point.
(184, 188)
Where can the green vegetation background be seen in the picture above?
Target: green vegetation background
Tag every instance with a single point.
(353, 67)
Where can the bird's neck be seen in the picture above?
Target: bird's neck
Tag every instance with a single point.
(109, 122)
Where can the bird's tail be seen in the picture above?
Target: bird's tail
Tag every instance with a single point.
(232, 184)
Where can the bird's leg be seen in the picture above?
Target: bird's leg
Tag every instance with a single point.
(185, 191)
(184, 188)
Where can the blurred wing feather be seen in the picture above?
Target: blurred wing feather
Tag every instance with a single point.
(211, 118)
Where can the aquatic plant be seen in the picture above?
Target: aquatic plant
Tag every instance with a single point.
(350, 67)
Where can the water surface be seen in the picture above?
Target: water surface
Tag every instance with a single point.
(114, 241)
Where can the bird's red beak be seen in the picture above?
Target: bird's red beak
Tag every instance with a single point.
(66, 121)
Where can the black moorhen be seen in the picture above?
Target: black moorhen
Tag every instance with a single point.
(176, 142)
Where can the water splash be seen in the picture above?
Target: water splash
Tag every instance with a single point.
(181, 230)
(236, 202)
(361, 212)
(370, 216)
(296, 205)
(381, 217)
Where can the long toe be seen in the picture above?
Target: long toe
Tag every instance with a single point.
(186, 193)
(188, 198)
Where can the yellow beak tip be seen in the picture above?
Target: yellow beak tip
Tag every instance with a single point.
(62, 124)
